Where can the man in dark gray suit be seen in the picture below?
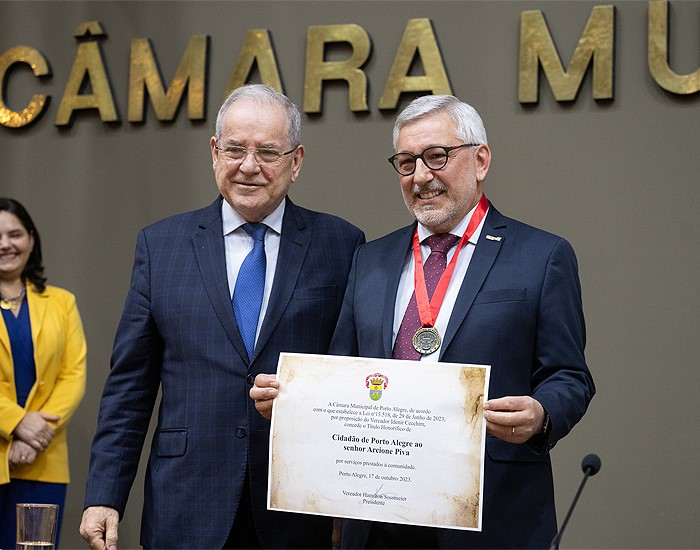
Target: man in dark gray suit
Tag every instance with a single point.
(216, 295)
(511, 300)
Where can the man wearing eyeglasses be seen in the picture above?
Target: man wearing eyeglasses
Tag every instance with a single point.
(465, 284)
(216, 295)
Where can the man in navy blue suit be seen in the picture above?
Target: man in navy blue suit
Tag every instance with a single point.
(510, 298)
(182, 333)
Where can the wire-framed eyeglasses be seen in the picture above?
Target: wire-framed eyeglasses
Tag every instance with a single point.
(236, 153)
(434, 158)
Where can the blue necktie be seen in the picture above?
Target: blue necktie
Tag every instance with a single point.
(250, 286)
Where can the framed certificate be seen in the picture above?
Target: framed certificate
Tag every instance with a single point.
(379, 439)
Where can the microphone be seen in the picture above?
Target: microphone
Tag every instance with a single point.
(590, 466)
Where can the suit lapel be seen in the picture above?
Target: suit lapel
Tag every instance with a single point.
(208, 242)
(294, 245)
(37, 304)
(4, 341)
(37, 311)
(5, 353)
(395, 260)
(482, 260)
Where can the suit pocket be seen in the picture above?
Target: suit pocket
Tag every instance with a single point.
(502, 451)
(501, 295)
(316, 293)
(171, 443)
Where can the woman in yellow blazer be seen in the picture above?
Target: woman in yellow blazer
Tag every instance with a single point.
(42, 372)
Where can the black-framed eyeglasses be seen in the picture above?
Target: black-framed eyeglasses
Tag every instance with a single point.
(434, 158)
(263, 155)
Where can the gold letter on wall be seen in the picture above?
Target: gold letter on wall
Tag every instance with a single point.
(418, 38)
(88, 63)
(144, 75)
(30, 56)
(536, 45)
(318, 70)
(256, 49)
(658, 54)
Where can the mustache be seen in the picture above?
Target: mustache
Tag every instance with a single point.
(428, 187)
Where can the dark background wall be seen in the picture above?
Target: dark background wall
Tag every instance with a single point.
(617, 178)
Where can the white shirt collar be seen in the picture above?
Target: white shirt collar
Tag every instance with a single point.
(424, 232)
(232, 220)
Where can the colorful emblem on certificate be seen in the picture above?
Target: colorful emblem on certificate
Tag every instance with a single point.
(376, 383)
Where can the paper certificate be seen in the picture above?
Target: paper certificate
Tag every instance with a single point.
(380, 440)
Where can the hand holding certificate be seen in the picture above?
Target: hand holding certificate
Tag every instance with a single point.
(378, 439)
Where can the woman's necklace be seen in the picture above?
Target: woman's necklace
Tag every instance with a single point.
(12, 303)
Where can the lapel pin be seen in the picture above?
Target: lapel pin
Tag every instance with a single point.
(492, 238)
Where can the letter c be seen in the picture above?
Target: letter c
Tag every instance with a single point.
(40, 67)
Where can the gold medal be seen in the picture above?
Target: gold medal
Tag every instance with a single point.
(426, 340)
(4, 304)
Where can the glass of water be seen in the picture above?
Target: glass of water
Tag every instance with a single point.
(36, 526)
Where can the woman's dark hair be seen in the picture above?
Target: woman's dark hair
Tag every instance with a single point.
(34, 270)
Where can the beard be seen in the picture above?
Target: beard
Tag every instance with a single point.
(437, 220)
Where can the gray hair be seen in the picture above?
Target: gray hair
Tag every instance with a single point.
(470, 127)
(264, 94)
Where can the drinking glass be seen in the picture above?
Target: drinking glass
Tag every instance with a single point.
(36, 526)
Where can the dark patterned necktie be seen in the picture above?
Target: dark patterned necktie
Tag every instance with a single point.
(250, 286)
(433, 269)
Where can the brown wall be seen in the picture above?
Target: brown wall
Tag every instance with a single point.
(617, 178)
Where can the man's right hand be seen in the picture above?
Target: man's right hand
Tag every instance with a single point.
(99, 527)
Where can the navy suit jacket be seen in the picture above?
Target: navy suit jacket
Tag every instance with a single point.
(178, 334)
(518, 310)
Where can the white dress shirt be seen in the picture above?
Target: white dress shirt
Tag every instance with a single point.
(238, 244)
(406, 283)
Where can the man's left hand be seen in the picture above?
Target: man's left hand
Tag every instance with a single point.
(514, 419)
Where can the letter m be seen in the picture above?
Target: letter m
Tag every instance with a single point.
(537, 47)
(145, 76)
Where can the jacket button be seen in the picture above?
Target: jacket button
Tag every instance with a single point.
(240, 431)
(251, 379)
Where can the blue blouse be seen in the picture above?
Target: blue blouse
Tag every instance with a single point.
(20, 331)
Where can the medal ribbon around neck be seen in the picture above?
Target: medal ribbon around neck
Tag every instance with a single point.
(428, 309)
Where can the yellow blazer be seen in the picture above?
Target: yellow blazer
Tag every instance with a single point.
(59, 355)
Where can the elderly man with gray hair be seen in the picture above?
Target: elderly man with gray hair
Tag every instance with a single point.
(215, 296)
